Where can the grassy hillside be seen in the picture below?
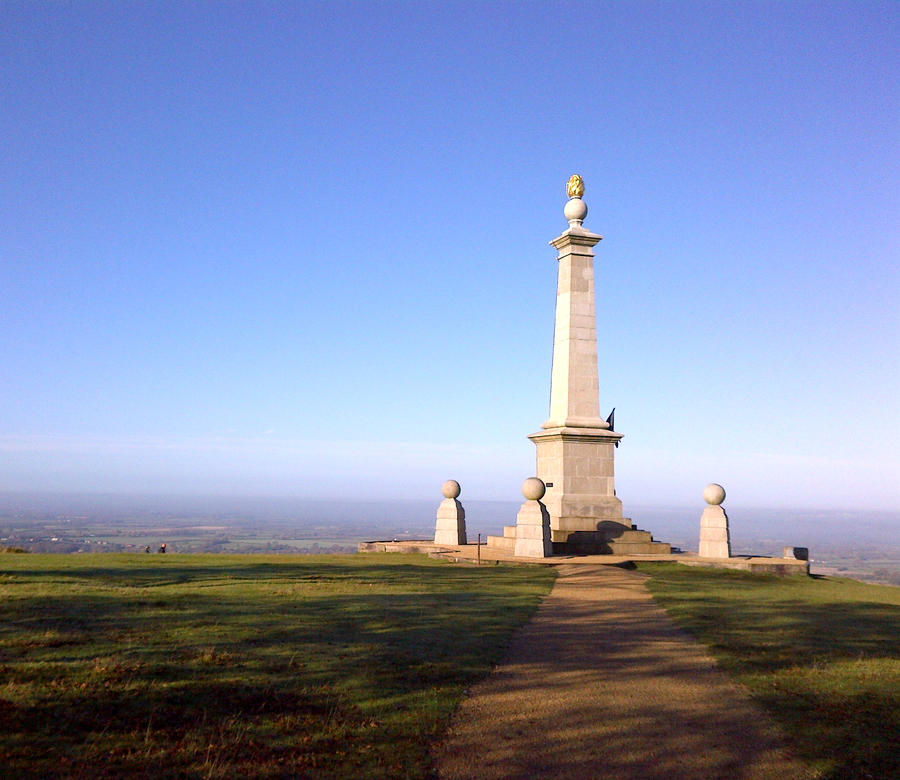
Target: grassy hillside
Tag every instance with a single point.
(223, 666)
(349, 666)
(821, 654)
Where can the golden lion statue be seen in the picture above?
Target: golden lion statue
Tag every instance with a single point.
(575, 186)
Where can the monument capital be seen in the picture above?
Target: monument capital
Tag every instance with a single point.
(576, 240)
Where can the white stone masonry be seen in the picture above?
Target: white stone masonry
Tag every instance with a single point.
(450, 523)
(715, 539)
(533, 523)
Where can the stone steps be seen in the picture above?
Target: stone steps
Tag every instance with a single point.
(641, 548)
(627, 542)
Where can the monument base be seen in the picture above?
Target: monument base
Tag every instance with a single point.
(625, 541)
(611, 541)
(577, 465)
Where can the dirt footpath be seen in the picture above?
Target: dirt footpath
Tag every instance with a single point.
(601, 684)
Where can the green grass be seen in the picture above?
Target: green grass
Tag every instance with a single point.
(225, 666)
(821, 654)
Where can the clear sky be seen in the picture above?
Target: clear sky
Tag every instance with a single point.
(301, 248)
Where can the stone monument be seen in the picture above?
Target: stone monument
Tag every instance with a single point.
(533, 523)
(450, 524)
(576, 446)
(715, 541)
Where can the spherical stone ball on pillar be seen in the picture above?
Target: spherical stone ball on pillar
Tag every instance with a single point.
(450, 523)
(713, 494)
(534, 489)
(715, 538)
(533, 522)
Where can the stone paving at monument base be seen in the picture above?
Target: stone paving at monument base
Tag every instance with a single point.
(473, 553)
(616, 539)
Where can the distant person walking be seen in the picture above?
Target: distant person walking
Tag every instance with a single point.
(162, 547)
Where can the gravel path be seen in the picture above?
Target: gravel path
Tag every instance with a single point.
(601, 684)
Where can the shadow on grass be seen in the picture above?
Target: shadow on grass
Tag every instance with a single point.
(104, 731)
(286, 669)
(137, 571)
(822, 655)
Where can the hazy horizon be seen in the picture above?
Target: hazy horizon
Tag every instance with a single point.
(223, 501)
(798, 526)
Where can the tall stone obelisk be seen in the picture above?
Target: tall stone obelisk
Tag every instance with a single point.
(575, 449)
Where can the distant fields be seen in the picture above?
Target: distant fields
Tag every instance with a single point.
(821, 654)
(223, 666)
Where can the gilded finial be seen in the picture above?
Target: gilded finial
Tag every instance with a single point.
(575, 186)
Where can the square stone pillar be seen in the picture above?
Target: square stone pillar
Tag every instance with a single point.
(450, 522)
(715, 541)
(533, 531)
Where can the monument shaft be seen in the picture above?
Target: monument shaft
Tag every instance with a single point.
(574, 385)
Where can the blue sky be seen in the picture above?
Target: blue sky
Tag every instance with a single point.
(301, 248)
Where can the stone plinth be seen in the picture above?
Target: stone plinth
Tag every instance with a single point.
(715, 540)
(533, 531)
(450, 523)
(533, 523)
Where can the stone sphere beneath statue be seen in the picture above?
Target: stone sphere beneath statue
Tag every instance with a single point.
(533, 489)
(450, 489)
(575, 208)
(714, 494)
